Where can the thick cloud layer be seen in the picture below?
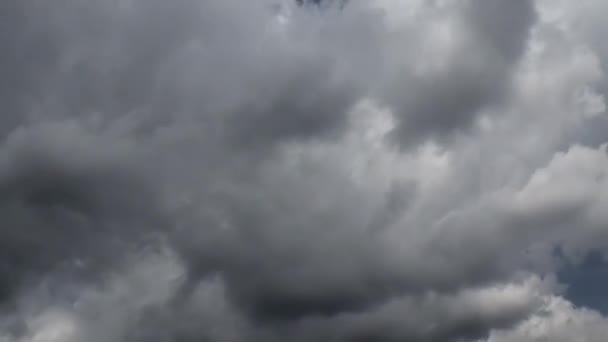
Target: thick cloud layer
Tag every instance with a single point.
(345, 171)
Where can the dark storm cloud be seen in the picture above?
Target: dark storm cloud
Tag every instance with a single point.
(488, 39)
(309, 259)
(176, 60)
(504, 26)
(70, 200)
(203, 170)
(432, 317)
(118, 58)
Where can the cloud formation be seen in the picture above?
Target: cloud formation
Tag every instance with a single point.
(228, 170)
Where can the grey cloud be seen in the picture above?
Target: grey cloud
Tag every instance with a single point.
(504, 26)
(179, 60)
(204, 170)
(437, 318)
(485, 43)
(310, 255)
(70, 200)
(197, 66)
(559, 321)
(208, 314)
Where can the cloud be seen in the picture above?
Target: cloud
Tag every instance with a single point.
(560, 321)
(261, 171)
(70, 199)
(460, 61)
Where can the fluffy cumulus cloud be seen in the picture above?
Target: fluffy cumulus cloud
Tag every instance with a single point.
(272, 170)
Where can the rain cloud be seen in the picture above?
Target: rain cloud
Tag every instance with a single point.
(272, 170)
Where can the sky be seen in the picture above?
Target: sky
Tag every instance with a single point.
(303, 171)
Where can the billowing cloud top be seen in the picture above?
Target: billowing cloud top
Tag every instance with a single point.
(281, 170)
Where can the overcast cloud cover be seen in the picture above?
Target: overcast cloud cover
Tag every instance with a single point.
(322, 171)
